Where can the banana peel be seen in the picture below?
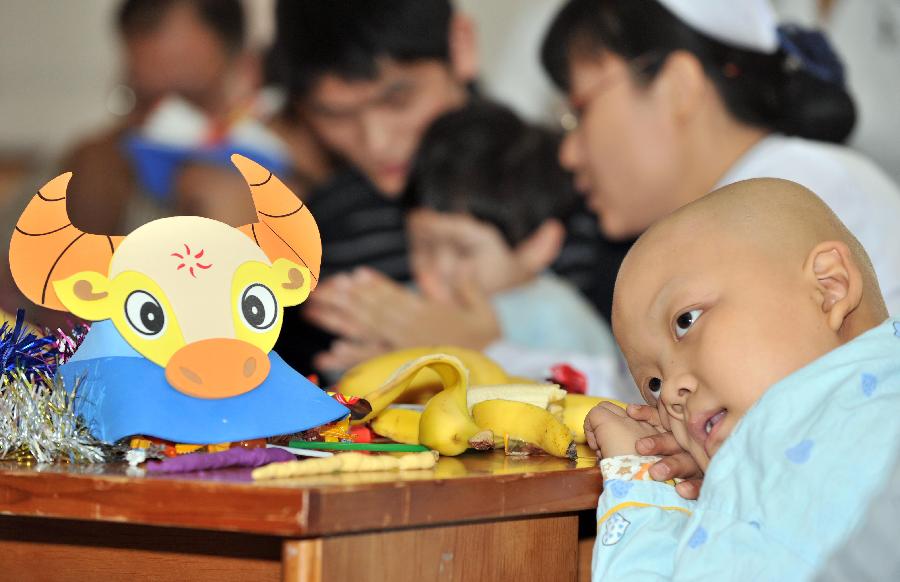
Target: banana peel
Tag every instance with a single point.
(364, 377)
(446, 424)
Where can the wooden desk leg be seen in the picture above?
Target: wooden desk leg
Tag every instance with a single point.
(585, 555)
(544, 548)
(301, 560)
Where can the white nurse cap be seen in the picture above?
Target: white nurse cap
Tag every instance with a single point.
(746, 24)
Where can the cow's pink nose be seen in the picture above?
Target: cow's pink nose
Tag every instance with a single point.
(217, 368)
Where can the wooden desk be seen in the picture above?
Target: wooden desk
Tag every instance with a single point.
(480, 516)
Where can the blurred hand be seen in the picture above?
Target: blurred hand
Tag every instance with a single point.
(611, 433)
(333, 308)
(371, 308)
(677, 463)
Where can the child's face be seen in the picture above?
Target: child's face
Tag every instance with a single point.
(446, 246)
(707, 324)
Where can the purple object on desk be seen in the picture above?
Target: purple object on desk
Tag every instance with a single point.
(237, 457)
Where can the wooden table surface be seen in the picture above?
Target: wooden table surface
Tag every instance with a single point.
(476, 492)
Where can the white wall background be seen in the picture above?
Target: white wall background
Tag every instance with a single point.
(866, 33)
(510, 34)
(58, 65)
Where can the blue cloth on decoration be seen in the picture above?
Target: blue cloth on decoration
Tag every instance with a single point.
(123, 394)
(785, 489)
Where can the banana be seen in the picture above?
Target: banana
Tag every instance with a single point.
(540, 395)
(525, 422)
(398, 424)
(402, 424)
(446, 424)
(576, 408)
(397, 384)
(538, 414)
(521, 380)
(365, 377)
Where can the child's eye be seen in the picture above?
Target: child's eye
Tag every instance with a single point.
(654, 385)
(684, 321)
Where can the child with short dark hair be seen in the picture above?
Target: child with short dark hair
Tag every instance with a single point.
(488, 202)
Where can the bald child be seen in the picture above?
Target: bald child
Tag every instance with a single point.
(752, 321)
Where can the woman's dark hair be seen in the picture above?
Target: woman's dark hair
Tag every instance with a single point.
(777, 92)
(484, 161)
(348, 37)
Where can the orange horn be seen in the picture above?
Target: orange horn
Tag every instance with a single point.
(46, 247)
(286, 228)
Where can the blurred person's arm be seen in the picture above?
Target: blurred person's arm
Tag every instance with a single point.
(101, 186)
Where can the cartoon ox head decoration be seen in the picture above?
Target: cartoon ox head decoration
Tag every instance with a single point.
(198, 303)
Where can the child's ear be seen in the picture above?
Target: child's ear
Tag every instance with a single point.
(839, 282)
(538, 251)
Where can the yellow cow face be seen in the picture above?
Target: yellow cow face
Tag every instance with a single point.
(196, 297)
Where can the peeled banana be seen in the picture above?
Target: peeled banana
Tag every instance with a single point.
(367, 376)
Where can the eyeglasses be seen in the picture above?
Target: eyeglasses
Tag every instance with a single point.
(570, 118)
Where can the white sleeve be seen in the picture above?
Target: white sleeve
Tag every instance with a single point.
(606, 374)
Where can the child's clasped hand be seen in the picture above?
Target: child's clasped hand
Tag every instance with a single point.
(610, 432)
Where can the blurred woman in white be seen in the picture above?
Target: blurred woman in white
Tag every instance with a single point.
(674, 98)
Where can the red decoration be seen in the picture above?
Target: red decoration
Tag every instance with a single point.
(362, 434)
(571, 379)
(346, 400)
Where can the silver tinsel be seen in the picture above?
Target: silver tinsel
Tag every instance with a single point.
(38, 421)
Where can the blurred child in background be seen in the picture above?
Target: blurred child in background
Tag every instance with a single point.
(486, 211)
(490, 197)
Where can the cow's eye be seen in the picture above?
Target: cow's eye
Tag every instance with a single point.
(259, 308)
(144, 313)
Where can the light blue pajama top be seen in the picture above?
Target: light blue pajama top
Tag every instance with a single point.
(787, 486)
